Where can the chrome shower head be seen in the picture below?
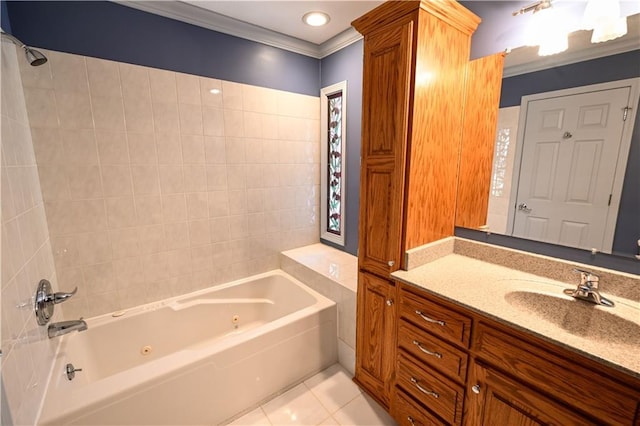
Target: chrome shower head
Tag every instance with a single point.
(34, 56)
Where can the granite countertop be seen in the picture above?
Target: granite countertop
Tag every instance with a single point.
(537, 304)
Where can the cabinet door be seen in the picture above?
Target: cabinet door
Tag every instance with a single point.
(375, 336)
(387, 71)
(495, 399)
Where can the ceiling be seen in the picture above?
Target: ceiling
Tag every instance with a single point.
(276, 23)
(279, 24)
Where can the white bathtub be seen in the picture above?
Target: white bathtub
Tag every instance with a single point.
(195, 359)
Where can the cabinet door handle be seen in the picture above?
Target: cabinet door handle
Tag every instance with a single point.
(410, 420)
(426, 351)
(426, 318)
(391, 263)
(423, 390)
(475, 389)
(389, 302)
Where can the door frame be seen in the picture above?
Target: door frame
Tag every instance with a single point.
(623, 154)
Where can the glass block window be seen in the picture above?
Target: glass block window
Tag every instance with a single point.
(498, 180)
(333, 123)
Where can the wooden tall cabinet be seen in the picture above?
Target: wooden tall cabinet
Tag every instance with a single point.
(415, 59)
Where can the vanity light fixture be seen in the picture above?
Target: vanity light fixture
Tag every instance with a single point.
(603, 17)
(316, 19)
(547, 29)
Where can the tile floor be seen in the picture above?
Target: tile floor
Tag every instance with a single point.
(328, 398)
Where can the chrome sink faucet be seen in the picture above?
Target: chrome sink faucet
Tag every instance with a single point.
(63, 327)
(588, 289)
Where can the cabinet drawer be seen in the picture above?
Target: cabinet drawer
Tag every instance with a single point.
(443, 396)
(560, 375)
(443, 322)
(408, 413)
(432, 351)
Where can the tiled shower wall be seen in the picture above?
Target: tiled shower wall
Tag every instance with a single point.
(157, 183)
(27, 352)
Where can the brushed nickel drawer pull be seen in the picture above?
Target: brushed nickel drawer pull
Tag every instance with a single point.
(426, 318)
(423, 390)
(426, 351)
(410, 419)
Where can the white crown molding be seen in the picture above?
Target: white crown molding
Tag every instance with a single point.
(204, 18)
(340, 41)
(594, 51)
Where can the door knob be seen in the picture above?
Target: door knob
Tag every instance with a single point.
(567, 135)
(523, 208)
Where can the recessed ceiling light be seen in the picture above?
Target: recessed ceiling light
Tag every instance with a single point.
(316, 19)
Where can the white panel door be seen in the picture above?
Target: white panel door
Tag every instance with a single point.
(570, 150)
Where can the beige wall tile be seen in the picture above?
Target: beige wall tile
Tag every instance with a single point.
(41, 107)
(149, 210)
(220, 230)
(145, 179)
(84, 182)
(232, 95)
(142, 148)
(237, 201)
(190, 119)
(121, 212)
(54, 183)
(138, 114)
(69, 72)
(93, 248)
(195, 178)
(236, 176)
(124, 243)
(151, 239)
(104, 78)
(47, 145)
(177, 235)
(199, 232)
(165, 117)
(235, 150)
(163, 85)
(233, 123)
(213, 121)
(171, 179)
(116, 180)
(99, 278)
(216, 177)
(169, 148)
(214, 148)
(218, 203)
(108, 113)
(135, 81)
(188, 88)
(197, 205)
(174, 208)
(192, 148)
(74, 110)
(79, 147)
(112, 147)
(209, 98)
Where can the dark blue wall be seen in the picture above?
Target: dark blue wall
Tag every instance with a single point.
(346, 64)
(4, 17)
(611, 68)
(111, 31)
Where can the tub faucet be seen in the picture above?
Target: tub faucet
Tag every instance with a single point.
(588, 289)
(63, 327)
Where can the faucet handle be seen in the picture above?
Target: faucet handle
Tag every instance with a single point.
(60, 297)
(588, 278)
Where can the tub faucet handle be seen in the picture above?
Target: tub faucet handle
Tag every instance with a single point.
(60, 297)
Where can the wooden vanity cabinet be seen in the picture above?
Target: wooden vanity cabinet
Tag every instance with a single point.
(376, 325)
(487, 373)
(415, 57)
